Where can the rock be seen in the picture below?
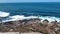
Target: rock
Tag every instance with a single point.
(45, 22)
(31, 25)
(58, 25)
(11, 30)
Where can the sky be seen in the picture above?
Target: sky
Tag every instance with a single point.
(9, 1)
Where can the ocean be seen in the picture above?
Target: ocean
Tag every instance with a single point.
(30, 10)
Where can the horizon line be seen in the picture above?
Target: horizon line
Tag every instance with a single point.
(29, 2)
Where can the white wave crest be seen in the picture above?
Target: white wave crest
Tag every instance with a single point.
(50, 19)
(22, 17)
(19, 17)
(3, 14)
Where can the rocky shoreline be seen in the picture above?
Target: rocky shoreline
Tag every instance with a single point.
(31, 25)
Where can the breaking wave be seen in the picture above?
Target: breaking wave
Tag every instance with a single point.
(4, 14)
(22, 17)
(18, 17)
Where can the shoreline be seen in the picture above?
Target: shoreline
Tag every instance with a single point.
(22, 17)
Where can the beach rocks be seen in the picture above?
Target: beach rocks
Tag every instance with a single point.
(31, 25)
(45, 22)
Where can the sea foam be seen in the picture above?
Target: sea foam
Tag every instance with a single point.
(19, 17)
(50, 19)
(4, 14)
(22, 17)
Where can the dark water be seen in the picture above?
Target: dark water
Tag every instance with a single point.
(27, 9)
